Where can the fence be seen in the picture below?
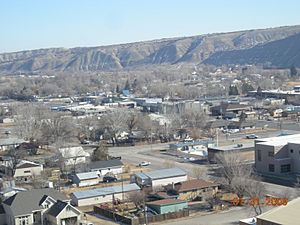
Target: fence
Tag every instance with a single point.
(140, 220)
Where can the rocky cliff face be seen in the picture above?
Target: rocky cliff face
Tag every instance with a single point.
(279, 46)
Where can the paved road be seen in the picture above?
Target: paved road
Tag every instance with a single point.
(230, 217)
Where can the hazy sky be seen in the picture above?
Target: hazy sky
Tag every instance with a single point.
(32, 24)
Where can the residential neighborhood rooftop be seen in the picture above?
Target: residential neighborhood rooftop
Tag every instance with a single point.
(28, 201)
(163, 173)
(87, 175)
(105, 164)
(105, 191)
(166, 202)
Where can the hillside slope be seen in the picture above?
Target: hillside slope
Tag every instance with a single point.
(275, 45)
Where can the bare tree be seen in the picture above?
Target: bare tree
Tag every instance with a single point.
(138, 198)
(29, 120)
(234, 174)
(16, 157)
(57, 129)
(256, 191)
(115, 123)
(198, 172)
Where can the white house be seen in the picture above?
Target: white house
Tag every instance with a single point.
(114, 166)
(7, 143)
(101, 195)
(26, 169)
(86, 179)
(159, 177)
(74, 155)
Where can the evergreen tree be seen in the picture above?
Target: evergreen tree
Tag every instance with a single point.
(118, 89)
(233, 90)
(127, 85)
(100, 153)
(246, 87)
(293, 71)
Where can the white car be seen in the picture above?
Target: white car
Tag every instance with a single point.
(145, 163)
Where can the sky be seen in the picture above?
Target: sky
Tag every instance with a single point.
(34, 24)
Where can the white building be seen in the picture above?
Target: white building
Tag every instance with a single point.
(74, 155)
(86, 179)
(159, 177)
(114, 166)
(101, 195)
(27, 169)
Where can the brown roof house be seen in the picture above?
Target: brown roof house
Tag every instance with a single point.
(197, 189)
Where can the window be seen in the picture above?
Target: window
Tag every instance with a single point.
(271, 168)
(292, 150)
(271, 154)
(285, 168)
(259, 155)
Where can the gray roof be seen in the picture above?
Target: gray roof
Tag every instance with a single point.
(57, 208)
(161, 174)
(25, 202)
(236, 147)
(11, 141)
(87, 175)
(105, 164)
(105, 191)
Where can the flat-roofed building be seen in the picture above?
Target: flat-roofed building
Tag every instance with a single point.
(245, 151)
(287, 215)
(278, 155)
(101, 195)
(159, 177)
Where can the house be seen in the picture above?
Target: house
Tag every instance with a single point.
(114, 166)
(26, 169)
(285, 214)
(35, 207)
(7, 143)
(245, 151)
(86, 179)
(2, 215)
(190, 190)
(101, 195)
(62, 213)
(278, 155)
(159, 177)
(167, 205)
(10, 191)
(73, 155)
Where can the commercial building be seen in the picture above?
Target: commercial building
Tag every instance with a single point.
(159, 177)
(278, 155)
(245, 151)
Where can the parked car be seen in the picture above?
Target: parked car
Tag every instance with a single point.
(85, 142)
(145, 163)
(108, 179)
(251, 136)
(116, 157)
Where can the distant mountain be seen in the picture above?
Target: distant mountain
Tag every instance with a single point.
(278, 46)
